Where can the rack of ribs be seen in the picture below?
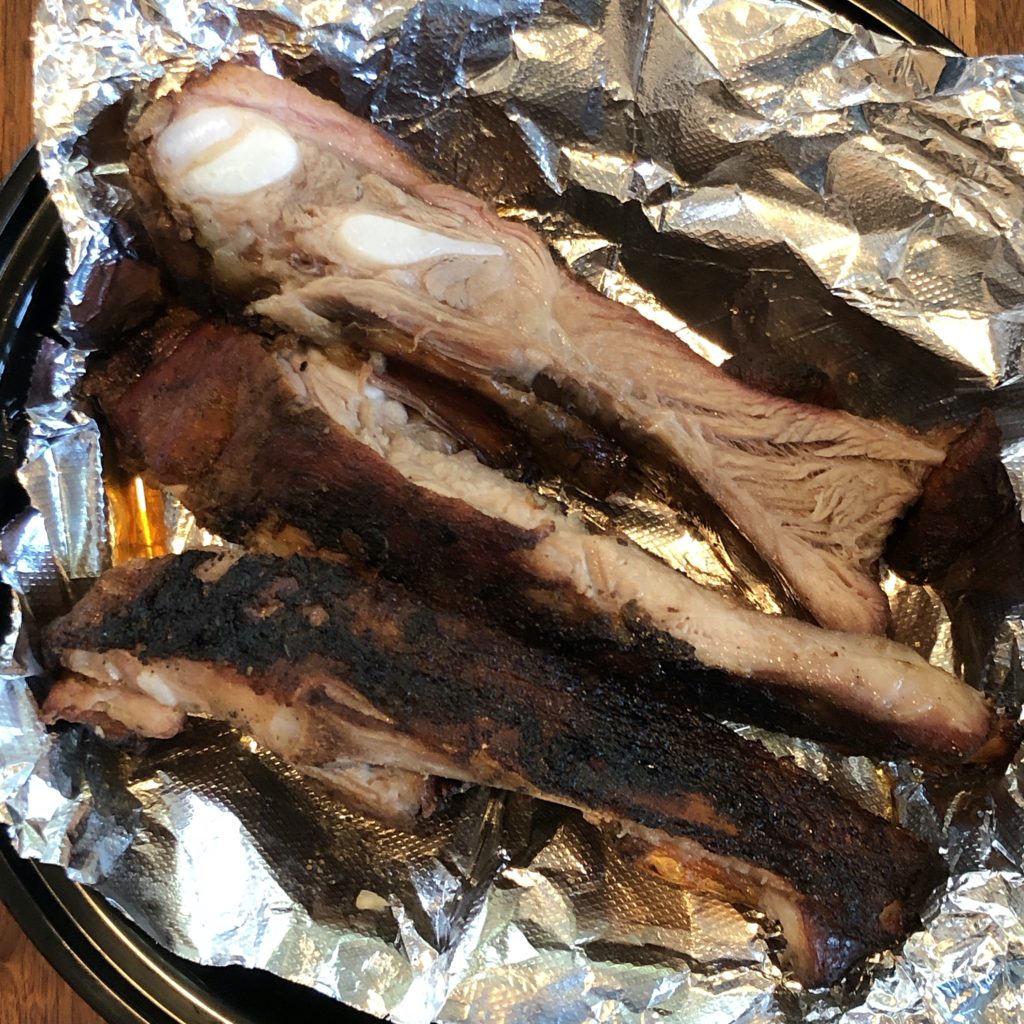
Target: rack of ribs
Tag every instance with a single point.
(321, 663)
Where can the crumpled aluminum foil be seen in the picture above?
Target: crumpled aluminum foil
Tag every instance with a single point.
(746, 172)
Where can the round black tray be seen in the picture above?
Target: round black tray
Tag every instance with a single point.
(122, 973)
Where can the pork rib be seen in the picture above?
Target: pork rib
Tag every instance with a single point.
(288, 450)
(321, 218)
(115, 696)
(312, 659)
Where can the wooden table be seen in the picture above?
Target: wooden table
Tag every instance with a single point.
(30, 991)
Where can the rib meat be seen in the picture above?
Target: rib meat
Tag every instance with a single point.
(115, 696)
(961, 503)
(287, 450)
(312, 659)
(320, 218)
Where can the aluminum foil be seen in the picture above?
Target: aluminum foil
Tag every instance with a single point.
(745, 172)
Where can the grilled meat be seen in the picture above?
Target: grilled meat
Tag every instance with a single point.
(321, 219)
(512, 430)
(313, 659)
(287, 450)
(961, 503)
(122, 700)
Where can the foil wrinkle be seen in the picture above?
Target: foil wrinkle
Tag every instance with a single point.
(744, 172)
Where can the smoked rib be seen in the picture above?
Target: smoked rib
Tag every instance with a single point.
(314, 218)
(315, 660)
(282, 448)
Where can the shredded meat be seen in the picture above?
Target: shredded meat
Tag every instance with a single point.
(290, 451)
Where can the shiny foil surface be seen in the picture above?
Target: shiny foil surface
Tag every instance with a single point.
(748, 173)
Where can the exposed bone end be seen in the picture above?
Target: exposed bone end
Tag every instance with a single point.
(285, 730)
(221, 152)
(153, 684)
(119, 712)
(388, 242)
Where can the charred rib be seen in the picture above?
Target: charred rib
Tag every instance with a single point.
(312, 659)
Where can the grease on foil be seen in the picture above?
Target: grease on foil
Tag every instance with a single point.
(666, 150)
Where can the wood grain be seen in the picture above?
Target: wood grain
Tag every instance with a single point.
(955, 19)
(976, 26)
(30, 990)
(998, 25)
(16, 76)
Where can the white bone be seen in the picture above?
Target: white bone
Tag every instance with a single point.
(388, 242)
(220, 152)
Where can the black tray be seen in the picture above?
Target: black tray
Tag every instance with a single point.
(122, 973)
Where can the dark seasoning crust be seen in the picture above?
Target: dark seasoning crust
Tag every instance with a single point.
(364, 163)
(254, 465)
(608, 744)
